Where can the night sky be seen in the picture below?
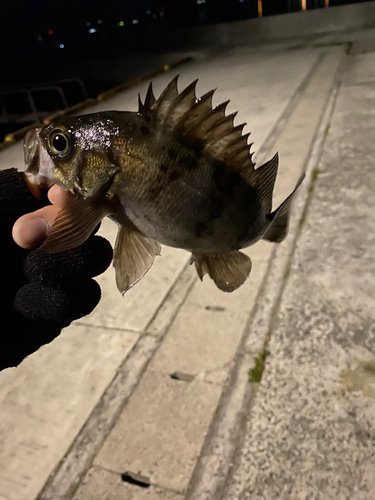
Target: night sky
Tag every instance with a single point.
(102, 42)
(24, 24)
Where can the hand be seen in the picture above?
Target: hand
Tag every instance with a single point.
(30, 230)
(40, 293)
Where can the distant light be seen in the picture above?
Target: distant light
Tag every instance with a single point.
(161, 14)
(40, 38)
(135, 21)
(50, 32)
(121, 23)
(148, 11)
(260, 8)
(92, 30)
(303, 4)
(88, 24)
(154, 16)
(242, 1)
(62, 45)
(100, 21)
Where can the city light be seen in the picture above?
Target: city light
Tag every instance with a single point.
(50, 32)
(100, 21)
(92, 30)
(88, 24)
(121, 23)
(62, 45)
(148, 11)
(135, 21)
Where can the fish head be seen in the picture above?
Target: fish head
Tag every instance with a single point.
(75, 154)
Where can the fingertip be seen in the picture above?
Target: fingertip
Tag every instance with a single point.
(30, 233)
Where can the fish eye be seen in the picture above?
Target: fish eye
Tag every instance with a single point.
(60, 143)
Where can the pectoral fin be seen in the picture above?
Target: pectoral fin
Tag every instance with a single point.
(228, 271)
(134, 254)
(74, 224)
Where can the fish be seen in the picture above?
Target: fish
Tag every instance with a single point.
(177, 172)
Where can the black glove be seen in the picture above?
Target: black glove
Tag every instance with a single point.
(41, 293)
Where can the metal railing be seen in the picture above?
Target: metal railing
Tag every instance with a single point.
(33, 113)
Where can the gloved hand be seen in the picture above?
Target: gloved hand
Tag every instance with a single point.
(41, 293)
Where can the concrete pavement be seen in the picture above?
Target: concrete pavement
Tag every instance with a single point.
(99, 401)
(310, 433)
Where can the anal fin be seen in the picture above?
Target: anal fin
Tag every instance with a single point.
(133, 256)
(229, 271)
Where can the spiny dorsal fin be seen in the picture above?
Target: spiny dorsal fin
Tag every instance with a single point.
(265, 177)
(183, 102)
(201, 106)
(200, 128)
(149, 100)
(198, 120)
(141, 107)
(166, 100)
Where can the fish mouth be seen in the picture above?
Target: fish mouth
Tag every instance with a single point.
(37, 160)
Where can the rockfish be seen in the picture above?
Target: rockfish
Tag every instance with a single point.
(178, 172)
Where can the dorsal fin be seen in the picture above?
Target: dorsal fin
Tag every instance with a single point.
(201, 106)
(166, 100)
(141, 107)
(265, 177)
(199, 129)
(149, 100)
(198, 120)
(183, 102)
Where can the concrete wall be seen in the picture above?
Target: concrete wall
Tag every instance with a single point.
(296, 24)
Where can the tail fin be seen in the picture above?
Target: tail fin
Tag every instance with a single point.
(280, 217)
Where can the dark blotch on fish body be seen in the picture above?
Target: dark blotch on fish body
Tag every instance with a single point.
(189, 163)
(172, 153)
(174, 175)
(219, 174)
(200, 228)
(145, 130)
(224, 180)
(217, 209)
(155, 190)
